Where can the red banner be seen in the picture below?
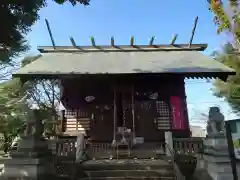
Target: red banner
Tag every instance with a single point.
(177, 113)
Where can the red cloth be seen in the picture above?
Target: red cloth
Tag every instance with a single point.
(177, 113)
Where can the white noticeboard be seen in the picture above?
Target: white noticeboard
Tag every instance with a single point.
(236, 144)
(235, 131)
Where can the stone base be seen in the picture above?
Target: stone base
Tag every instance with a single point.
(219, 167)
(31, 147)
(221, 176)
(216, 157)
(216, 148)
(218, 141)
(28, 169)
(216, 135)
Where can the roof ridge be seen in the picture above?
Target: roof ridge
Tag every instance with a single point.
(124, 48)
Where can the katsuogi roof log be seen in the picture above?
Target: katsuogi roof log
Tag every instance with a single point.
(133, 59)
(115, 60)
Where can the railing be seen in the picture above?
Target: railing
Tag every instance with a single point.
(103, 150)
(192, 145)
(146, 150)
(64, 161)
(65, 152)
(66, 148)
(63, 147)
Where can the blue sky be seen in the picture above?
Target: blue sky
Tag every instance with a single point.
(141, 19)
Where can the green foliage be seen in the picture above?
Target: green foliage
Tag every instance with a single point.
(230, 89)
(16, 18)
(13, 110)
(73, 2)
(225, 20)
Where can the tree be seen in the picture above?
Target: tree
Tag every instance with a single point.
(16, 18)
(17, 100)
(227, 20)
(6, 69)
(230, 90)
(44, 95)
(13, 111)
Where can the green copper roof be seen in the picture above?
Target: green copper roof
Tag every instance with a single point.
(114, 62)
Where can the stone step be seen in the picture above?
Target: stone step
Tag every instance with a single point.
(127, 167)
(98, 165)
(129, 178)
(130, 173)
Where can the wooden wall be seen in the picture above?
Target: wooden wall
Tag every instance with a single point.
(152, 117)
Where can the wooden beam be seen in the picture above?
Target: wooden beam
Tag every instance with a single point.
(50, 33)
(151, 41)
(132, 41)
(125, 48)
(112, 41)
(72, 41)
(93, 41)
(174, 39)
(193, 31)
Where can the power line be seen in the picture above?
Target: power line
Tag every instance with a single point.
(198, 119)
(210, 102)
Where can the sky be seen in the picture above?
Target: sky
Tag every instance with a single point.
(141, 19)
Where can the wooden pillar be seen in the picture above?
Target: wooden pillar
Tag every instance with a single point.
(63, 121)
(185, 110)
(133, 111)
(114, 114)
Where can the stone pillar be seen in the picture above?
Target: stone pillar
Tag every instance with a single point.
(169, 143)
(80, 148)
(32, 160)
(216, 157)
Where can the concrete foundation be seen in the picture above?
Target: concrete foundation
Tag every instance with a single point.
(18, 168)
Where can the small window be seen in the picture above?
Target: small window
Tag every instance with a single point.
(162, 109)
(163, 118)
(71, 113)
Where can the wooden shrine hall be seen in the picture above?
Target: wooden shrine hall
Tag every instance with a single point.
(140, 89)
(124, 93)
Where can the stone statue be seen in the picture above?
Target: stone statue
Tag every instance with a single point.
(39, 128)
(29, 129)
(34, 128)
(215, 122)
(32, 143)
